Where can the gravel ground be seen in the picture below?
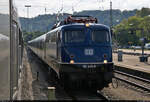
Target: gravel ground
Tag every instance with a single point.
(125, 92)
(39, 84)
(26, 82)
(33, 89)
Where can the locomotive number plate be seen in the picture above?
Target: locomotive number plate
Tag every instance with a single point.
(88, 52)
(89, 66)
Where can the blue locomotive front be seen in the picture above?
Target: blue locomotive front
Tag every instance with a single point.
(86, 54)
(79, 51)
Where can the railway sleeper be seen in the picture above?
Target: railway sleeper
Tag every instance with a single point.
(68, 81)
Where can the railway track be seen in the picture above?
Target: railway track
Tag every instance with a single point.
(86, 95)
(131, 82)
(77, 95)
(80, 94)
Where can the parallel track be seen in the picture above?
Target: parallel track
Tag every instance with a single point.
(133, 83)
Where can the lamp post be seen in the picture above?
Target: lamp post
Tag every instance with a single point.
(27, 10)
(143, 58)
(118, 32)
(111, 23)
(143, 42)
(27, 6)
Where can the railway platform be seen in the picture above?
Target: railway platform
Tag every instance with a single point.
(132, 62)
(135, 51)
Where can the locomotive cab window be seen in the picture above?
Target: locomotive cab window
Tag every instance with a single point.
(75, 36)
(100, 36)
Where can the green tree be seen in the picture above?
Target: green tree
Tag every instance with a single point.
(143, 12)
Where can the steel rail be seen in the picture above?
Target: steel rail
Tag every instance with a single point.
(133, 83)
(132, 76)
(102, 96)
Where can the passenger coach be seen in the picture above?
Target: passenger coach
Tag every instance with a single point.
(11, 50)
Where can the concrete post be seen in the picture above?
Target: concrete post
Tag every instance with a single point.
(51, 93)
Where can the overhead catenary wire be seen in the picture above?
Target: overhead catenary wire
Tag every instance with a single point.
(62, 9)
(60, 12)
(101, 6)
(73, 6)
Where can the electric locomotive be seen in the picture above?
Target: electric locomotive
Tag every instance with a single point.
(79, 50)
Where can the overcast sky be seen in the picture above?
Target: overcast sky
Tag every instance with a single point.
(53, 6)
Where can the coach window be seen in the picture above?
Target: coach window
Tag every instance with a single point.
(74, 36)
(100, 36)
(20, 37)
(53, 37)
(58, 36)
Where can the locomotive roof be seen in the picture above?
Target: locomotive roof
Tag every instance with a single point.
(81, 24)
(77, 25)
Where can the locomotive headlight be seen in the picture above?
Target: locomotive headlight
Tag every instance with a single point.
(71, 61)
(87, 24)
(105, 61)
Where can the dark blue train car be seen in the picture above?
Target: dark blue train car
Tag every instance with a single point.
(79, 52)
